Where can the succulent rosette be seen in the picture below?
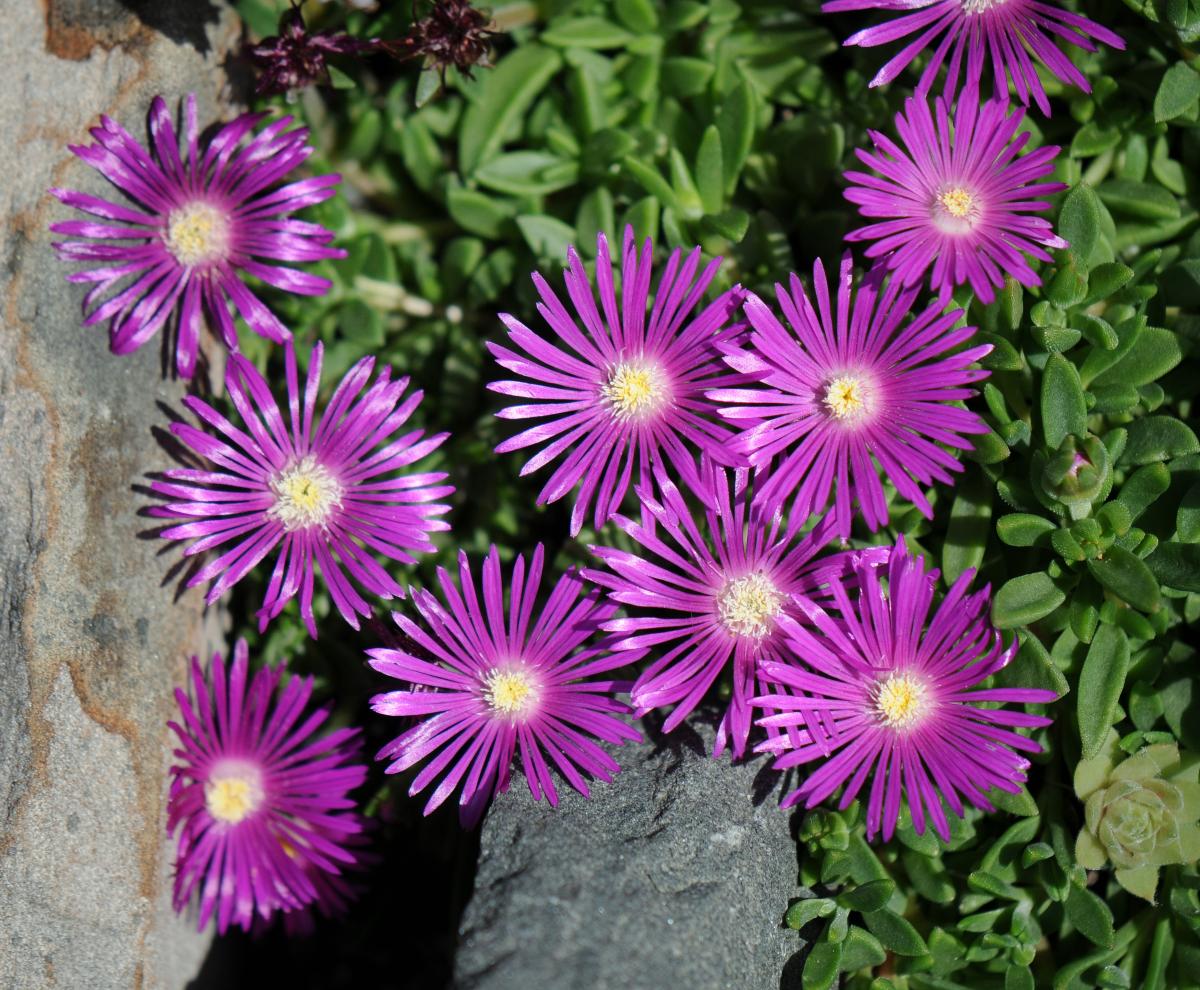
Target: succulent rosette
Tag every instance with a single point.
(1140, 813)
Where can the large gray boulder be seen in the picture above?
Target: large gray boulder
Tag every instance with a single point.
(675, 875)
(93, 635)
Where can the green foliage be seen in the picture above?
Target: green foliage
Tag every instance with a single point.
(727, 125)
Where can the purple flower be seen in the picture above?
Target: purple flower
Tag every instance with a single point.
(1013, 33)
(956, 199)
(296, 57)
(709, 589)
(855, 386)
(627, 392)
(880, 688)
(485, 684)
(328, 492)
(258, 800)
(334, 892)
(199, 226)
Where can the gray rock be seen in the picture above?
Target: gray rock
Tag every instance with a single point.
(676, 875)
(92, 636)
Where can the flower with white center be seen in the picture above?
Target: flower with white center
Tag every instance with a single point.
(956, 199)
(1017, 37)
(329, 491)
(493, 683)
(619, 387)
(705, 588)
(879, 690)
(198, 222)
(861, 384)
(259, 799)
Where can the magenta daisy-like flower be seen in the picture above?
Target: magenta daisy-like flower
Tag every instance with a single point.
(956, 199)
(335, 893)
(619, 390)
(259, 800)
(881, 690)
(855, 386)
(1013, 34)
(487, 682)
(707, 588)
(331, 493)
(201, 220)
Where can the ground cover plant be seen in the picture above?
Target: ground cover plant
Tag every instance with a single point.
(937, 493)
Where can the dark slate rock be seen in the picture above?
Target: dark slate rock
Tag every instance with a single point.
(676, 875)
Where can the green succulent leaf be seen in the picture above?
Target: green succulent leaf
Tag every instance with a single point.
(511, 87)
(1158, 438)
(822, 965)
(895, 933)
(1025, 599)
(1128, 577)
(1091, 916)
(1064, 410)
(1178, 92)
(1176, 565)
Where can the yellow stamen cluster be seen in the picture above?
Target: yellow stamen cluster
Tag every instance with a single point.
(305, 495)
(846, 397)
(901, 701)
(232, 798)
(510, 691)
(747, 606)
(955, 210)
(198, 234)
(957, 202)
(635, 389)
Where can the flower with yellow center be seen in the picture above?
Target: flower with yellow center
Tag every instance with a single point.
(305, 495)
(198, 234)
(901, 701)
(635, 389)
(847, 397)
(510, 691)
(233, 796)
(748, 605)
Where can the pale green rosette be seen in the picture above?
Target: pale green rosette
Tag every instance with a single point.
(1139, 814)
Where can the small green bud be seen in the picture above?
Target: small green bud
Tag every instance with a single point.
(1077, 473)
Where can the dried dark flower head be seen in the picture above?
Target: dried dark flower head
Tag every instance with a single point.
(453, 33)
(295, 58)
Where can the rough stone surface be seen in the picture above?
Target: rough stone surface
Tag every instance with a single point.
(676, 875)
(93, 632)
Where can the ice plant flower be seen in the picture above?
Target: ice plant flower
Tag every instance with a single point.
(957, 201)
(618, 391)
(201, 221)
(331, 493)
(334, 892)
(487, 684)
(707, 586)
(883, 691)
(1013, 34)
(259, 800)
(849, 384)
